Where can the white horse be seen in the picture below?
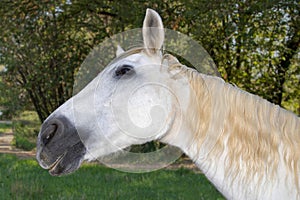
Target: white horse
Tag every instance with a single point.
(247, 147)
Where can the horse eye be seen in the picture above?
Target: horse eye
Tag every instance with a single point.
(124, 70)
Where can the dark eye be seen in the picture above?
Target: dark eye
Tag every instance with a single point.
(124, 70)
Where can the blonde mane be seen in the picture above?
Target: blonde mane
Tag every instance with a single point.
(256, 135)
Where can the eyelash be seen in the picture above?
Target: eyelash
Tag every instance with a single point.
(124, 70)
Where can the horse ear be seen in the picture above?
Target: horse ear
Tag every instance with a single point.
(153, 32)
(119, 51)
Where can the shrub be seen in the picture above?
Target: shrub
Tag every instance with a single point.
(26, 128)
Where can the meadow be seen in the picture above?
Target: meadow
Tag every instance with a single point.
(24, 179)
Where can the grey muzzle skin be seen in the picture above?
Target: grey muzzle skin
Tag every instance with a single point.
(59, 147)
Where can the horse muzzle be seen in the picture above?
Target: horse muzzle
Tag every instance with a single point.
(59, 147)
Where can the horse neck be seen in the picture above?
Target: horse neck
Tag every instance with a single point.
(234, 136)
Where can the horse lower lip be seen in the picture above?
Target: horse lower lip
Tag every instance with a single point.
(53, 166)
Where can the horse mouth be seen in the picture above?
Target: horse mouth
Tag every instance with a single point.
(68, 162)
(59, 147)
(53, 168)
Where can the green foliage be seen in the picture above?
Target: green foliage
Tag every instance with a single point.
(10, 100)
(24, 179)
(147, 147)
(26, 128)
(41, 47)
(23, 143)
(255, 44)
(5, 128)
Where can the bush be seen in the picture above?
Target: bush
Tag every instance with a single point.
(23, 143)
(26, 128)
(5, 127)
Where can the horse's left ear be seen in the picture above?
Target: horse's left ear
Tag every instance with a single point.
(153, 32)
(119, 51)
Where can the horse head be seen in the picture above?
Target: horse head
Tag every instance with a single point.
(132, 101)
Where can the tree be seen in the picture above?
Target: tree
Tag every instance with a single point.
(43, 43)
(41, 47)
(255, 44)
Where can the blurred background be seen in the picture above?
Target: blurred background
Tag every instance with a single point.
(254, 43)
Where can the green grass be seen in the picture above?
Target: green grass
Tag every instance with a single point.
(24, 179)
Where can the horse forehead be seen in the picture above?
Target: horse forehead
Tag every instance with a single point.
(142, 58)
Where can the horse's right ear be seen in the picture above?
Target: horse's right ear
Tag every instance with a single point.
(153, 32)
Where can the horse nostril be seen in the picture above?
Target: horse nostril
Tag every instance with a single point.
(49, 133)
